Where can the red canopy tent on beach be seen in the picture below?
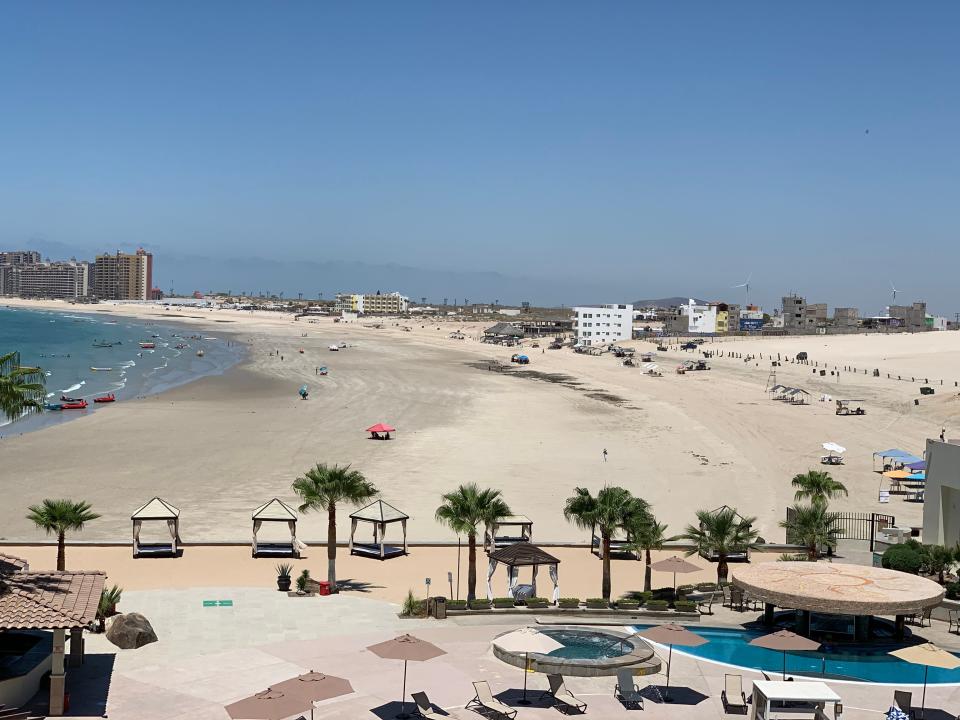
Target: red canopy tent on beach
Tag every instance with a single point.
(380, 428)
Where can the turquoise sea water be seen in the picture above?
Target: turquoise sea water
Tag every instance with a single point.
(731, 646)
(62, 344)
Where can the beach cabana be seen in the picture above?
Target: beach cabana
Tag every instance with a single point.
(521, 530)
(515, 557)
(379, 514)
(380, 431)
(161, 511)
(893, 457)
(275, 511)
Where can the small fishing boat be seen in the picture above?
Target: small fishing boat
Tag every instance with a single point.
(105, 344)
(53, 406)
(76, 405)
(199, 353)
(148, 345)
(109, 397)
(180, 346)
(322, 371)
(96, 369)
(64, 398)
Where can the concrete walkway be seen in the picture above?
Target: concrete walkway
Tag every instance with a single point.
(208, 657)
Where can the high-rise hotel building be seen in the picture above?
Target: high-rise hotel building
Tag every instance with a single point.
(123, 276)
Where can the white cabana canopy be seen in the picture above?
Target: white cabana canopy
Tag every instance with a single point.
(275, 510)
(156, 509)
(521, 530)
(379, 514)
(518, 555)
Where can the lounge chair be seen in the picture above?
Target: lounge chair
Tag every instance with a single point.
(626, 690)
(484, 698)
(561, 696)
(705, 604)
(733, 696)
(953, 617)
(424, 708)
(903, 701)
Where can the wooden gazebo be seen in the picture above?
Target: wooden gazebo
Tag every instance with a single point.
(519, 555)
(521, 530)
(162, 511)
(275, 511)
(379, 514)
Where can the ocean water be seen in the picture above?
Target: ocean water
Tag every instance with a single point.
(62, 344)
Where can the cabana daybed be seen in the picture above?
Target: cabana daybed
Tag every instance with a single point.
(492, 539)
(275, 511)
(379, 514)
(160, 510)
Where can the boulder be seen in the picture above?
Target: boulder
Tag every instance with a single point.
(130, 631)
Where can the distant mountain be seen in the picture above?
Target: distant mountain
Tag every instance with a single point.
(667, 302)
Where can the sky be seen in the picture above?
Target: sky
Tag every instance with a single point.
(556, 152)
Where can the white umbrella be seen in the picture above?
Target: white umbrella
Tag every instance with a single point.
(527, 640)
(834, 448)
(928, 655)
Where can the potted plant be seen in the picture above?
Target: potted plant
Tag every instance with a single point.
(597, 604)
(456, 604)
(504, 602)
(302, 581)
(657, 605)
(536, 603)
(109, 598)
(686, 606)
(479, 604)
(283, 576)
(628, 604)
(569, 603)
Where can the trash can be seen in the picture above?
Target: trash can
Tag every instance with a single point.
(324, 587)
(440, 608)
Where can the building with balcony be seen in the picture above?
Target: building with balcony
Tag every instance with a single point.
(603, 324)
(123, 276)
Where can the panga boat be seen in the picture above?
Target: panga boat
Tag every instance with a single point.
(75, 405)
(64, 398)
(148, 345)
(96, 369)
(52, 406)
(105, 398)
(105, 344)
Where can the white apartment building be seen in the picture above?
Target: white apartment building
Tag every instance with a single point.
(603, 324)
(700, 318)
(65, 280)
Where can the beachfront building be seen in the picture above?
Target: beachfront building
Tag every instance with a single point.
(385, 304)
(124, 276)
(846, 318)
(910, 317)
(63, 280)
(348, 302)
(936, 322)
(751, 319)
(19, 257)
(941, 501)
(602, 324)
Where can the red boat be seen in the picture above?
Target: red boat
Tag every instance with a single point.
(75, 405)
(105, 398)
(148, 345)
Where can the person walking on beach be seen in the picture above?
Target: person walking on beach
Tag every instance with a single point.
(943, 434)
(604, 454)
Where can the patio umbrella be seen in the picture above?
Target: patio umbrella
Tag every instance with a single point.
(289, 697)
(406, 648)
(675, 565)
(527, 640)
(832, 447)
(671, 635)
(897, 474)
(381, 428)
(928, 655)
(785, 641)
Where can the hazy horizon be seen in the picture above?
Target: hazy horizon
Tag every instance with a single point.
(549, 152)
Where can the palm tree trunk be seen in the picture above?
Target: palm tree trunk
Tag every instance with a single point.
(812, 553)
(61, 551)
(723, 570)
(332, 547)
(647, 573)
(606, 567)
(471, 567)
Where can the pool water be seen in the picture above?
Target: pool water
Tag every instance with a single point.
(731, 646)
(581, 645)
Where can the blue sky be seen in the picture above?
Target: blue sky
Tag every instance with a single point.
(698, 142)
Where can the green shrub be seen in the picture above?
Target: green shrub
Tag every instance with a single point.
(456, 604)
(479, 604)
(685, 606)
(597, 603)
(569, 602)
(536, 602)
(504, 602)
(302, 581)
(706, 586)
(657, 605)
(627, 604)
(953, 591)
(906, 558)
(684, 589)
(411, 606)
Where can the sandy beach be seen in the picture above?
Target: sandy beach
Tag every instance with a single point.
(220, 446)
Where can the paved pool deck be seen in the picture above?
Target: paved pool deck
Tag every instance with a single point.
(208, 657)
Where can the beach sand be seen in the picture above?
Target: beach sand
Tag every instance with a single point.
(220, 446)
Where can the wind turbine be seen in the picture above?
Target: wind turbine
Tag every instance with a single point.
(745, 285)
(894, 289)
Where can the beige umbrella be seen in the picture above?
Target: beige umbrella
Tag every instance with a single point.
(406, 648)
(671, 635)
(928, 655)
(674, 565)
(527, 640)
(785, 641)
(289, 697)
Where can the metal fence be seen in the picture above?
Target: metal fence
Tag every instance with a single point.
(857, 526)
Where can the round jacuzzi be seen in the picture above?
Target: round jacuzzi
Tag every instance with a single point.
(587, 652)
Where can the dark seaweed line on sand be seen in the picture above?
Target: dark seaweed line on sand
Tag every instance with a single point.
(558, 379)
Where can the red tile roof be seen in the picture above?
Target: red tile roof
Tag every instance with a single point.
(10, 564)
(50, 600)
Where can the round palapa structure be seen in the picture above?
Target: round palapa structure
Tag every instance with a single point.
(838, 588)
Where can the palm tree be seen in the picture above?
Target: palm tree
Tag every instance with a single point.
(612, 509)
(647, 536)
(60, 517)
(322, 488)
(464, 509)
(21, 388)
(721, 532)
(812, 526)
(817, 485)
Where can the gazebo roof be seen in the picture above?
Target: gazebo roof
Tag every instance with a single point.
(380, 512)
(523, 553)
(156, 509)
(50, 600)
(514, 520)
(275, 509)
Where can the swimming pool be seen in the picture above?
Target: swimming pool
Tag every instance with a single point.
(730, 646)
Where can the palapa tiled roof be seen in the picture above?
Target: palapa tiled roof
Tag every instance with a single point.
(11, 564)
(50, 600)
